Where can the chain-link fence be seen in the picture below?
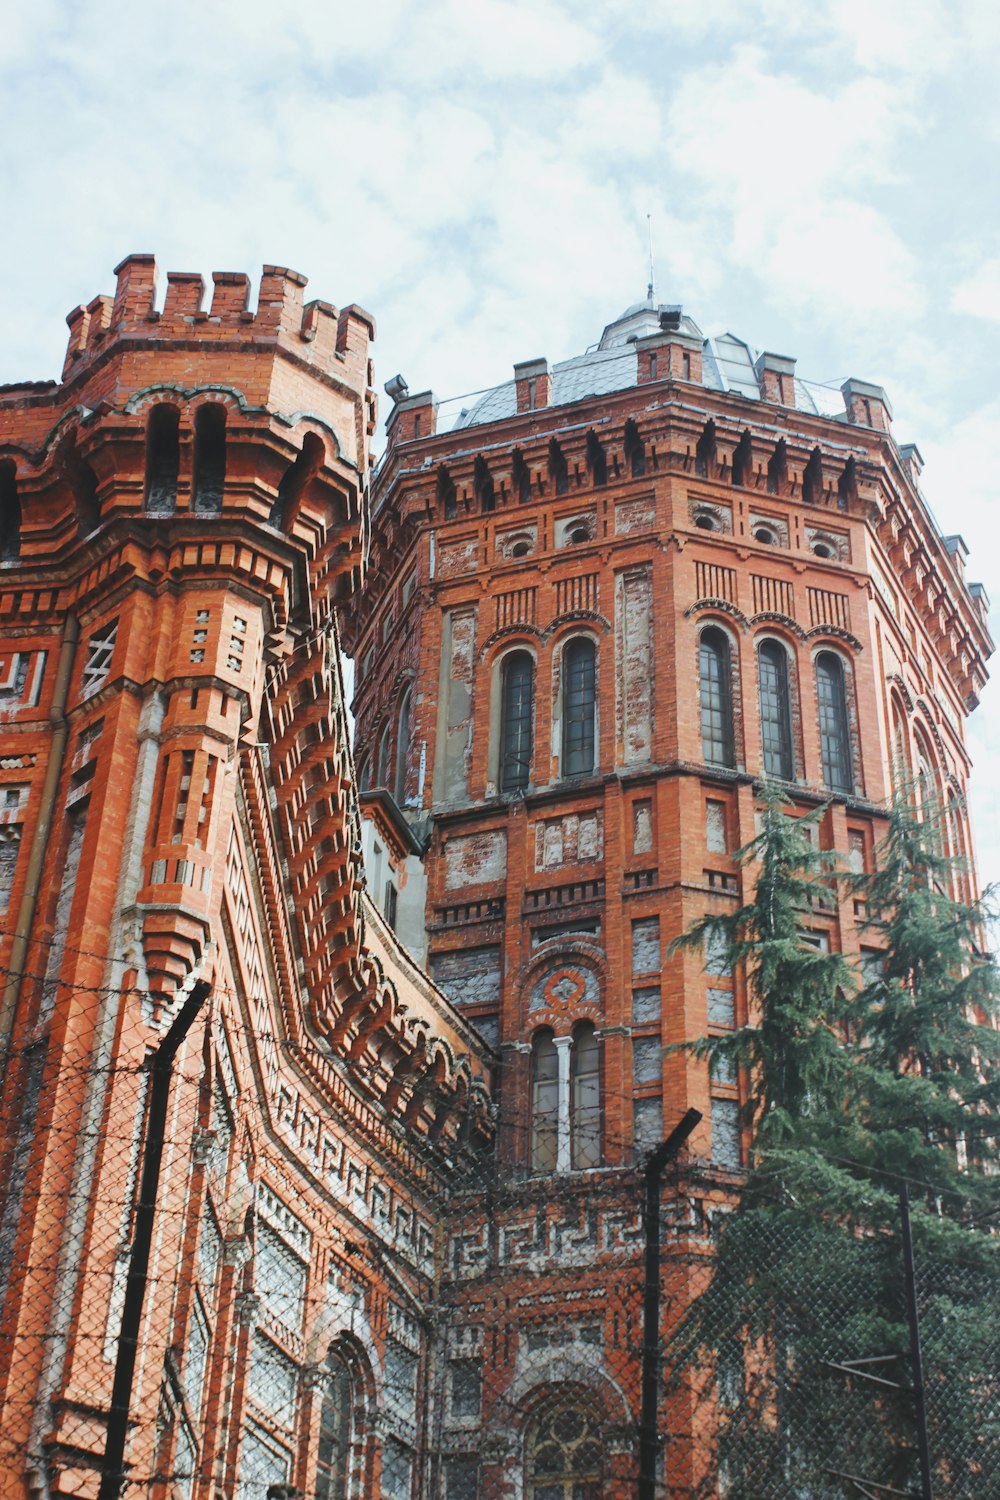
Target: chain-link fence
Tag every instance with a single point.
(361, 1318)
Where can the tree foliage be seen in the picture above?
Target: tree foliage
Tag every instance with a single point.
(855, 1078)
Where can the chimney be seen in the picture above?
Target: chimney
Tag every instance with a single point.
(670, 355)
(533, 384)
(776, 378)
(867, 405)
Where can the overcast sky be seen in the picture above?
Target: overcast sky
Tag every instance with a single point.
(821, 177)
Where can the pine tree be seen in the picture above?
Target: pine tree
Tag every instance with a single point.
(853, 1082)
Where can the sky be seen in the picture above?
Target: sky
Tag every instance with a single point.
(821, 180)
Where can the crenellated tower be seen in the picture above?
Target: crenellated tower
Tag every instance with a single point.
(181, 515)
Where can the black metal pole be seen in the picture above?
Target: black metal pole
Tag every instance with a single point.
(916, 1358)
(160, 1070)
(653, 1170)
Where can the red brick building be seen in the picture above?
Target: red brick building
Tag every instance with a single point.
(599, 608)
(230, 1101)
(275, 1216)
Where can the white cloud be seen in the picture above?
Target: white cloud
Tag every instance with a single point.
(979, 294)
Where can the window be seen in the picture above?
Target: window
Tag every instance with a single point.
(483, 485)
(558, 470)
(586, 1101)
(835, 743)
(521, 478)
(332, 1464)
(579, 703)
(544, 1102)
(516, 706)
(465, 1389)
(775, 717)
(382, 760)
(597, 460)
(209, 457)
(403, 730)
(715, 668)
(635, 451)
(162, 459)
(447, 496)
(10, 513)
(564, 1455)
(566, 1101)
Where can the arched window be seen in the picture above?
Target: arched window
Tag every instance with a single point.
(579, 682)
(597, 459)
(544, 1103)
(364, 775)
(715, 678)
(382, 759)
(209, 457)
(558, 470)
(834, 734)
(516, 708)
(305, 466)
(10, 513)
(333, 1455)
(585, 1106)
(162, 458)
(403, 729)
(775, 713)
(564, 1454)
(635, 450)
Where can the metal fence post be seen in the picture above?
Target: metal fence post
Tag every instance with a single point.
(916, 1358)
(652, 1172)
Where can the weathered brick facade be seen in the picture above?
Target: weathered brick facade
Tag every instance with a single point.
(182, 846)
(661, 487)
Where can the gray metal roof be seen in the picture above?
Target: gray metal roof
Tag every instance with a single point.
(612, 365)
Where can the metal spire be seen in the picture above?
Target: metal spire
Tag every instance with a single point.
(651, 288)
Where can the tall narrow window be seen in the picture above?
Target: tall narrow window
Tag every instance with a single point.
(585, 1120)
(812, 479)
(579, 702)
(332, 1466)
(162, 459)
(544, 1103)
(705, 455)
(483, 485)
(558, 470)
(900, 751)
(775, 717)
(296, 477)
(597, 459)
(209, 457)
(382, 760)
(521, 476)
(447, 495)
(635, 450)
(835, 741)
(516, 706)
(715, 668)
(777, 470)
(743, 461)
(10, 513)
(403, 731)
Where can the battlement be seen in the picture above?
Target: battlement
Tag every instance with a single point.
(316, 331)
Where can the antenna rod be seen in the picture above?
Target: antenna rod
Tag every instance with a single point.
(651, 288)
